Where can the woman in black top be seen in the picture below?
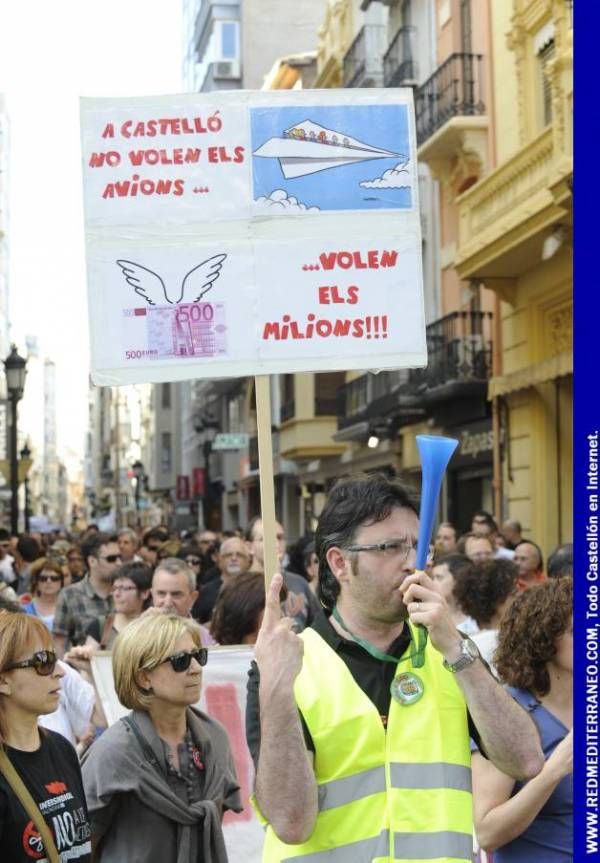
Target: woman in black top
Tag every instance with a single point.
(45, 761)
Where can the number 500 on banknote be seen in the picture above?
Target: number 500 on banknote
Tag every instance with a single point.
(175, 331)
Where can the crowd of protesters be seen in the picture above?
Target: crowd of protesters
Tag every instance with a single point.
(65, 597)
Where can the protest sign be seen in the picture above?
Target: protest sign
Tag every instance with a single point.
(245, 233)
(224, 698)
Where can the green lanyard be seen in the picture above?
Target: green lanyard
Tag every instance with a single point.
(418, 657)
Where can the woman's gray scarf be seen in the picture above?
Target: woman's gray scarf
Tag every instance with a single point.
(137, 774)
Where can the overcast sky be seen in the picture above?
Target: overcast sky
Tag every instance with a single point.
(51, 53)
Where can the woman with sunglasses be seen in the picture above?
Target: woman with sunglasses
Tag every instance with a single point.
(47, 581)
(30, 682)
(158, 781)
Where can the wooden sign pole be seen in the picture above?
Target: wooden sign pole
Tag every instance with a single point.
(265, 469)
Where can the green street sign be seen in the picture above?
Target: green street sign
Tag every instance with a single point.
(230, 441)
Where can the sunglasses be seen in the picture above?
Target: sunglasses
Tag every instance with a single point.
(182, 661)
(112, 558)
(44, 662)
(52, 577)
(193, 561)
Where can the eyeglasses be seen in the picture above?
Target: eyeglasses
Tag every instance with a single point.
(111, 558)
(182, 661)
(153, 547)
(123, 588)
(392, 548)
(44, 662)
(52, 577)
(193, 561)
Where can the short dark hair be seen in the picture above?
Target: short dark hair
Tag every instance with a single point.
(238, 608)
(537, 548)
(485, 518)
(28, 548)
(560, 562)
(352, 502)
(457, 563)
(138, 572)
(482, 589)
(159, 534)
(93, 543)
(4, 534)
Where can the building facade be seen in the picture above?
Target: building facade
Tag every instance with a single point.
(515, 236)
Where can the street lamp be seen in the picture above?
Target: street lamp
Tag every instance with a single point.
(15, 369)
(208, 425)
(25, 456)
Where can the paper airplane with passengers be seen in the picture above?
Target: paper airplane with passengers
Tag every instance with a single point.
(308, 148)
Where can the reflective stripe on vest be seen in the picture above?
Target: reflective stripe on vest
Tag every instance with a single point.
(386, 796)
(338, 792)
(355, 852)
(407, 846)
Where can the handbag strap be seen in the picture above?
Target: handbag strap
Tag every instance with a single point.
(30, 806)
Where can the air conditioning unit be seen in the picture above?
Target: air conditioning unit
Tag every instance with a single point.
(226, 69)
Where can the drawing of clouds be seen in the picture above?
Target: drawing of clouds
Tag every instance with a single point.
(279, 202)
(394, 178)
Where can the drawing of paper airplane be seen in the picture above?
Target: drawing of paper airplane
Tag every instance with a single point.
(308, 148)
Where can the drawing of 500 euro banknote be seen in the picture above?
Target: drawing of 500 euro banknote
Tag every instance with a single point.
(185, 330)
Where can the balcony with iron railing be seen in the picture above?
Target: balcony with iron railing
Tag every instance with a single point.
(452, 126)
(459, 365)
(454, 90)
(362, 65)
(399, 68)
(372, 396)
(459, 357)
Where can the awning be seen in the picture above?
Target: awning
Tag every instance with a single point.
(538, 373)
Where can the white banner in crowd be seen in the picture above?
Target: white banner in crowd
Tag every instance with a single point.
(224, 698)
(242, 233)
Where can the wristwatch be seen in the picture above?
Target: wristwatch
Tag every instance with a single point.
(469, 652)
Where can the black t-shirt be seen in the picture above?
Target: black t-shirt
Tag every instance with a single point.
(372, 675)
(52, 776)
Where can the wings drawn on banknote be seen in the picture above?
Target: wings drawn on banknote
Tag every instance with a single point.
(145, 282)
(201, 279)
(151, 287)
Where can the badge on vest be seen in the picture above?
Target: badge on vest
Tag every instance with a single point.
(406, 688)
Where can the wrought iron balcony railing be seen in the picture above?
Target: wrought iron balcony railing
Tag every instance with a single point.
(361, 398)
(454, 90)
(459, 349)
(459, 353)
(363, 59)
(399, 68)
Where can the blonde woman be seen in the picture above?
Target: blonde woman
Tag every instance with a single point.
(158, 781)
(30, 682)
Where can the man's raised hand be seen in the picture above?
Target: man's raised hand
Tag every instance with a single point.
(278, 650)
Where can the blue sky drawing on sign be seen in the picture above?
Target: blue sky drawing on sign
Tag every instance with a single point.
(353, 157)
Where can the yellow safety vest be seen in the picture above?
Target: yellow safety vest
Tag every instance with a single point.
(400, 795)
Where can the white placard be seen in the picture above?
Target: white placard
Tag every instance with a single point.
(246, 233)
(224, 698)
